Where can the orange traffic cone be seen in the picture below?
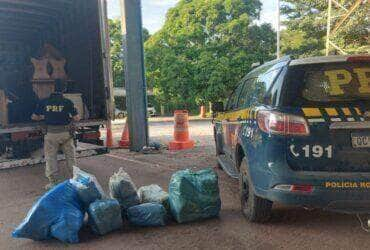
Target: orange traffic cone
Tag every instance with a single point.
(202, 111)
(109, 139)
(125, 139)
(181, 134)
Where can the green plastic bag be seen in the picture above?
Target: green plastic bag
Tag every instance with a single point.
(154, 194)
(123, 189)
(105, 216)
(194, 195)
(147, 215)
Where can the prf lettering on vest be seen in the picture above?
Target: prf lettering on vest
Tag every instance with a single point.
(54, 108)
(338, 78)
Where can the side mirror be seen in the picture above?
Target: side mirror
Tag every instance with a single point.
(217, 107)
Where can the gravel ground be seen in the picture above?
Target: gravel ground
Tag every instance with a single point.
(290, 228)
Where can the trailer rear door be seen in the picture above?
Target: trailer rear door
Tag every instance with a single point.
(107, 67)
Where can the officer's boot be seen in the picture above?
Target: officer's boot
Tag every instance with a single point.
(53, 181)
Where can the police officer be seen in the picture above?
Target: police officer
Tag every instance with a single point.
(58, 113)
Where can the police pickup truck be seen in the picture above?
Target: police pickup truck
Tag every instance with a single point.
(297, 132)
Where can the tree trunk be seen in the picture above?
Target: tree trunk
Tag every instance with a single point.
(163, 113)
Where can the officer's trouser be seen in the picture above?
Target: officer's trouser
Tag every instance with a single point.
(52, 144)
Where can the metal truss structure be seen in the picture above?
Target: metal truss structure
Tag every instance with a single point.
(339, 21)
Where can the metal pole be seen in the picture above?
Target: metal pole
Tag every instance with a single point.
(136, 98)
(278, 30)
(328, 27)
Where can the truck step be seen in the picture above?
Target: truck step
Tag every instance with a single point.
(83, 150)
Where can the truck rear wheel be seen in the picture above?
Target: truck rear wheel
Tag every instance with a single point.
(254, 208)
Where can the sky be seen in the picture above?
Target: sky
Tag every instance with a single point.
(154, 12)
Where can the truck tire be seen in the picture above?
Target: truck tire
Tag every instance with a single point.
(254, 208)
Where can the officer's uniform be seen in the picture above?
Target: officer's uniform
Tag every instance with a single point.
(58, 112)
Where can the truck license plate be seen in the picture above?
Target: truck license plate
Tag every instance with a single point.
(361, 140)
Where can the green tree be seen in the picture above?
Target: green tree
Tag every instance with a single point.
(204, 49)
(306, 28)
(116, 51)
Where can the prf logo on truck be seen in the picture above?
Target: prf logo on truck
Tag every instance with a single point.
(341, 79)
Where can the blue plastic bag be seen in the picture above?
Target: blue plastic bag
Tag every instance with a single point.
(57, 214)
(147, 215)
(194, 195)
(87, 186)
(105, 216)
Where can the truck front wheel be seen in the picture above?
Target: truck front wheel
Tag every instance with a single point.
(254, 208)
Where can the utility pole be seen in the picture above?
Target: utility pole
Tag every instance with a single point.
(136, 98)
(278, 30)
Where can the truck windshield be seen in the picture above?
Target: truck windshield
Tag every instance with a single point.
(323, 83)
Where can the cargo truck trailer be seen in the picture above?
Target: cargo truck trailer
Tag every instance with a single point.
(73, 33)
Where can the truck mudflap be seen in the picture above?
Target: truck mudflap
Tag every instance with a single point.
(83, 150)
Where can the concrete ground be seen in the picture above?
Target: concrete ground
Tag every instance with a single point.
(290, 228)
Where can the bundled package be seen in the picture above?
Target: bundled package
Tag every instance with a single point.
(194, 195)
(154, 194)
(123, 189)
(57, 214)
(147, 215)
(87, 186)
(105, 216)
